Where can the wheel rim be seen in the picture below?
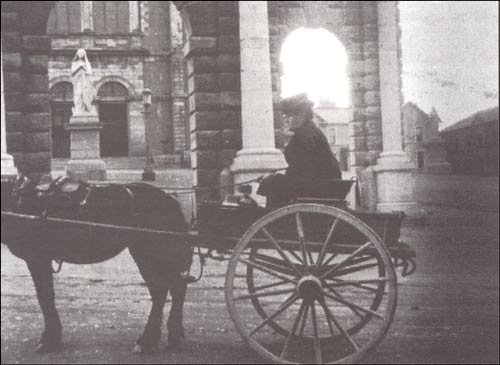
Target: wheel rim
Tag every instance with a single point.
(316, 301)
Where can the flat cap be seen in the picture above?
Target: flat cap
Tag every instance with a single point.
(296, 102)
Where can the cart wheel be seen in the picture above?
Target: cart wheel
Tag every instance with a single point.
(260, 303)
(309, 290)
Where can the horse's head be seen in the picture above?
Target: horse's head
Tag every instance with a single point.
(23, 193)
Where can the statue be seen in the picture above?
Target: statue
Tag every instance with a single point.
(83, 90)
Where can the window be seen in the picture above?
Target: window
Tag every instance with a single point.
(419, 133)
(64, 18)
(111, 17)
(331, 135)
(420, 158)
(61, 103)
(113, 113)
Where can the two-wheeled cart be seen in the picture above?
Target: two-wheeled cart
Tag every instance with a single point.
(310, 282)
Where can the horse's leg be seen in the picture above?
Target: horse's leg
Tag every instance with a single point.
(41, 272)
(174, 323)
(158, 288)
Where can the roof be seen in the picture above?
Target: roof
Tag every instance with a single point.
(480, 117)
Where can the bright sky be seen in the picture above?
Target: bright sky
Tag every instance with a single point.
(450, 56)
(314, 61)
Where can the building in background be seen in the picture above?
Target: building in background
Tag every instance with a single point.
(472, 144)
(334, 122)
(421, 141)
(132, 46)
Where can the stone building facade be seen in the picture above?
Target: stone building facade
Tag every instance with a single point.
(132, 46)
(232, 54)
(424, 147)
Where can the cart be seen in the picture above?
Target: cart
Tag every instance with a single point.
(310, 282)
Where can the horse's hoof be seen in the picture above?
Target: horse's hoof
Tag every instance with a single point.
(144, 349)
(47, 348)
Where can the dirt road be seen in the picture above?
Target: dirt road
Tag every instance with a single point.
(447, 311)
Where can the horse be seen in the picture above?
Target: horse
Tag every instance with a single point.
(163, 265)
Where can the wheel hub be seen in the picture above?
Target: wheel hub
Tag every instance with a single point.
(310, 288)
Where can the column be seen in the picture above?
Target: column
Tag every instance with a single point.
(259, 154)
(133, 8)
(9, 171)
(87, 23)
(395, 180)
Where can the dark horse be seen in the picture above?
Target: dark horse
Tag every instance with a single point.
(162, 264)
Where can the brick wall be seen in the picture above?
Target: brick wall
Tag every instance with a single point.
(25, 50)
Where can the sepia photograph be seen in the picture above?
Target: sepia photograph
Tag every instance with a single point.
(250, 182)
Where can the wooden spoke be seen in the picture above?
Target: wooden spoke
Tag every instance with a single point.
(354, 310)
(369, 288)
(347, 259)
(297, 257)
(280, 251)
(267, 271)
(354, 282)
(330, 315)
(273, 263)
(330, 259)
(325, 244)
(317, 345)
(271, 285)
(294, 328)
(286, 304)
(265, 294)
(300, 232)
(304, 321)
(352, 269)
(352, 305)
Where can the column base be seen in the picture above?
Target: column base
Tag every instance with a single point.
(395, 183)
(88, 170)
(250, 164)
(9, 170)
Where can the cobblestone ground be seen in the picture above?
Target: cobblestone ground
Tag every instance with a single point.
(447, 311)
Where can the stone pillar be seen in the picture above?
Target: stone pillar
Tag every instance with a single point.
(87, 20)
(9, 171)
(394, 173)
(259, 154)
(133, 8)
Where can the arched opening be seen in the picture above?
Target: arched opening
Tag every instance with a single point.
(315, 61)
(113, 113)
(61, 103)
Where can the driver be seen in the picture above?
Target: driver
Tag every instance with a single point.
(308, 155)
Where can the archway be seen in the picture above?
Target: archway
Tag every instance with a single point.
(113, 113)
(315, 61)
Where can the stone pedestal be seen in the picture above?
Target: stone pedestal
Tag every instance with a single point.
(396, 183)
(85, 162)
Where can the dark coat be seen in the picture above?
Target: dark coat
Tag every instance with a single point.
(309, 159)
(309, 156)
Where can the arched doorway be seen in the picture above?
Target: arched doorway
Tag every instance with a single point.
(61, 103)
(113, 113)
(315, 61)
